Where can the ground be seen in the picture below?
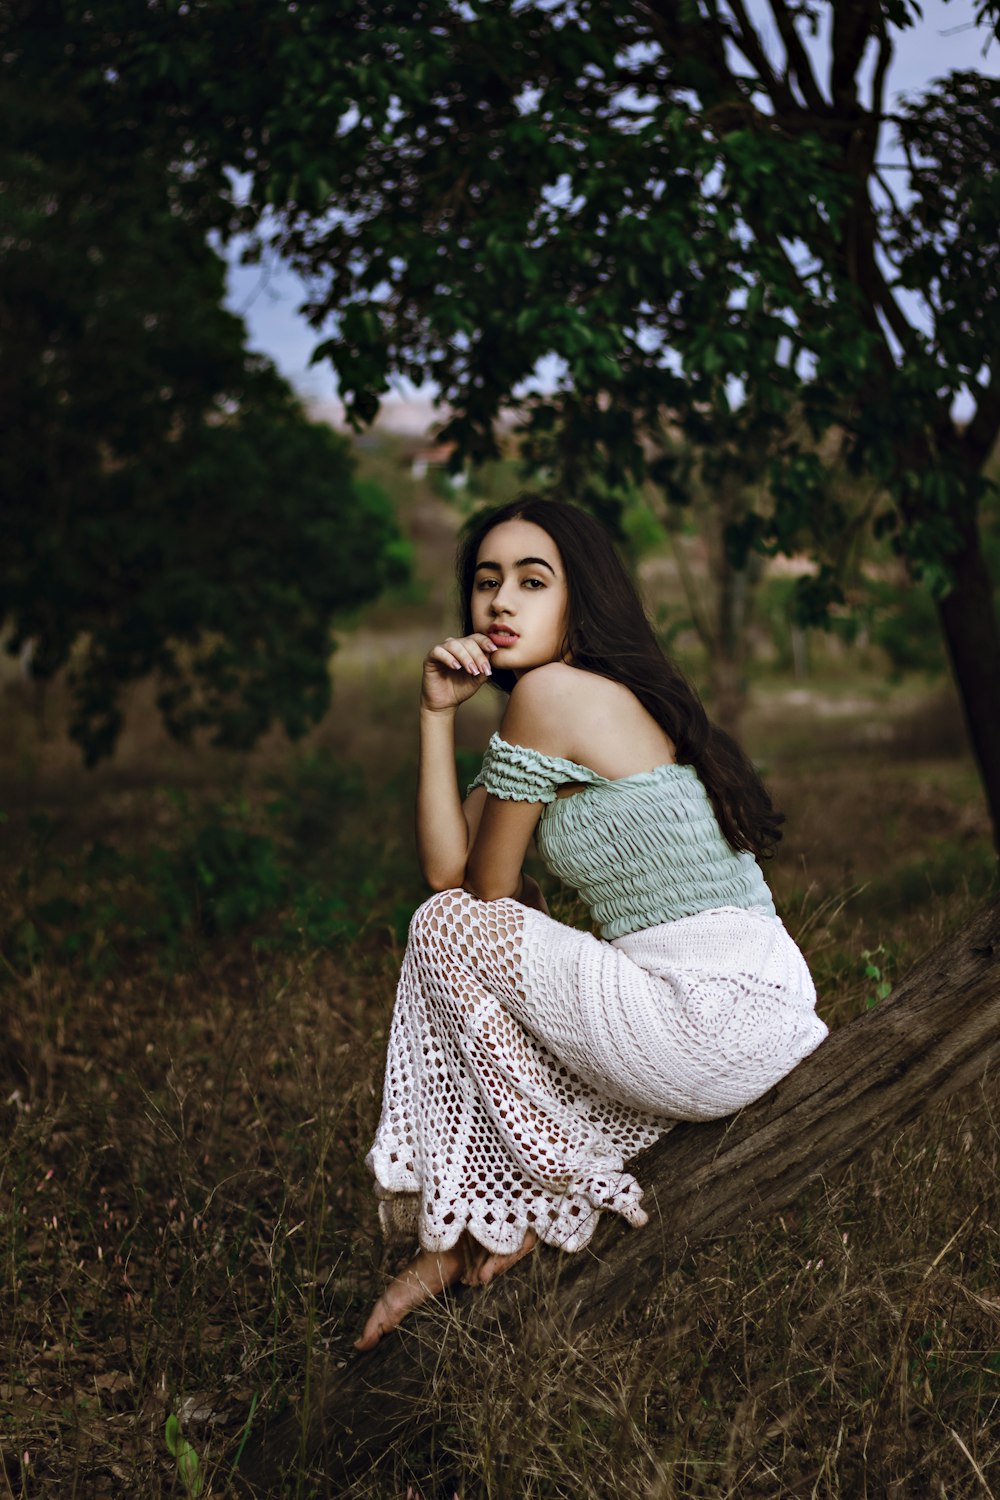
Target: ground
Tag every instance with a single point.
(198, 958)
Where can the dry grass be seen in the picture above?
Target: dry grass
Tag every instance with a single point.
(187, 1222)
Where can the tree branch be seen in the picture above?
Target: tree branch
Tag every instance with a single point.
(704, 41)
(878, 81)
(852, 27)
(877, 289)
(747, 40)
(798, 61)
(877, 172)
(703, 629)
(980, 437)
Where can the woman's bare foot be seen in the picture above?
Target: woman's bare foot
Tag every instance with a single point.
(429, 1273)
(426, 1275)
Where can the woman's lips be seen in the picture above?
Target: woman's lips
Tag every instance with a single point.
(503, 637)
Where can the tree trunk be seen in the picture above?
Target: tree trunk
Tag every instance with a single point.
(735, 590)
(728, 694)
(939, 1031)
(731, 648)
(972, 636)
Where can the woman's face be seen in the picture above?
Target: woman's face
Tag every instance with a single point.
(519, 596)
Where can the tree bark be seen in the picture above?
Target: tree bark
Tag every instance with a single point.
(939, 1031)
(735, 593)
(972, 636)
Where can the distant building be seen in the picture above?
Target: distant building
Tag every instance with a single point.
(436, 456)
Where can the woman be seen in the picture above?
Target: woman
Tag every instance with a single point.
(528, 1061)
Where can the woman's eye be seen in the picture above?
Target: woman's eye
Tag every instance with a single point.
(486, 583)
(533, 583)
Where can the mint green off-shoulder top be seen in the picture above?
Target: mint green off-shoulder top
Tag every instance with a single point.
(639, 850)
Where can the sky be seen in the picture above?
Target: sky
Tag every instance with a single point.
(269, 297)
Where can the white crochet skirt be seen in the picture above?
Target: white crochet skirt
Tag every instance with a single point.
(528, 1061)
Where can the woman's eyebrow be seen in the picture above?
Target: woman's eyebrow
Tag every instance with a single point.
(522, 562)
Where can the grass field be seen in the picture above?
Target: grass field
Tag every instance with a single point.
(197, 962)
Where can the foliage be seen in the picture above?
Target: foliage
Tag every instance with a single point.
(598, 182)
(186, 1457)
(165, 505)
(275, 873)
(877, 961)
(905, 626)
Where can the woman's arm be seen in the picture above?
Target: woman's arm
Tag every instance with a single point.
(445, 842)
(494, 864)
(452, 673)
(538, 715)
(445, 828)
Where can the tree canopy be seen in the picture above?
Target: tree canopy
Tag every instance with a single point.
(166, 507)
(688, 216)
(687, 203)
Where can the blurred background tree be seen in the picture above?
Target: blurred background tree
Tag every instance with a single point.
(166, 507)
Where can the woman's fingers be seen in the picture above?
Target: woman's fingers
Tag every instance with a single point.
(442, 655)
(471, 652)
(477, 650)
(455, 669)
(453, 655)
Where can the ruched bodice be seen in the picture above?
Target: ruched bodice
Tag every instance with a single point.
(640, 849)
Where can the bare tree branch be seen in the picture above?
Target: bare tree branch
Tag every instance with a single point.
(875, 286)
(878, 171)
(852, 22)
(747, 40)
(885, 50)
(798, 61)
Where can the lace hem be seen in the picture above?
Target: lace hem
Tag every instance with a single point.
(565, 1221)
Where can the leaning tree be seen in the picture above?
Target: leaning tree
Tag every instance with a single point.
(695, 205)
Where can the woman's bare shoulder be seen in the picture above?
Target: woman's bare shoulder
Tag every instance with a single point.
(559, 684)
(544, 704)
(583, 717)
(550, 705)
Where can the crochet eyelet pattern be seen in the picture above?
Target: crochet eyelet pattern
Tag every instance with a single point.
(528, 1061)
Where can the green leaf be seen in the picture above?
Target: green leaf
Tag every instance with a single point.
(188, 1467)
(172, 1434)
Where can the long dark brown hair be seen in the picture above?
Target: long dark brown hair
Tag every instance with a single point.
(609, 633)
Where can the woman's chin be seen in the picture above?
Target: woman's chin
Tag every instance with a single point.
(513, 659)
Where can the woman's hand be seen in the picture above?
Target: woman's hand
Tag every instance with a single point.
(455, 670)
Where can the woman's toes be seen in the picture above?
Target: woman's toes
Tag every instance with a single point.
(493, 1265)
(373, 1330)
(489, 1268)
(427, 1275)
